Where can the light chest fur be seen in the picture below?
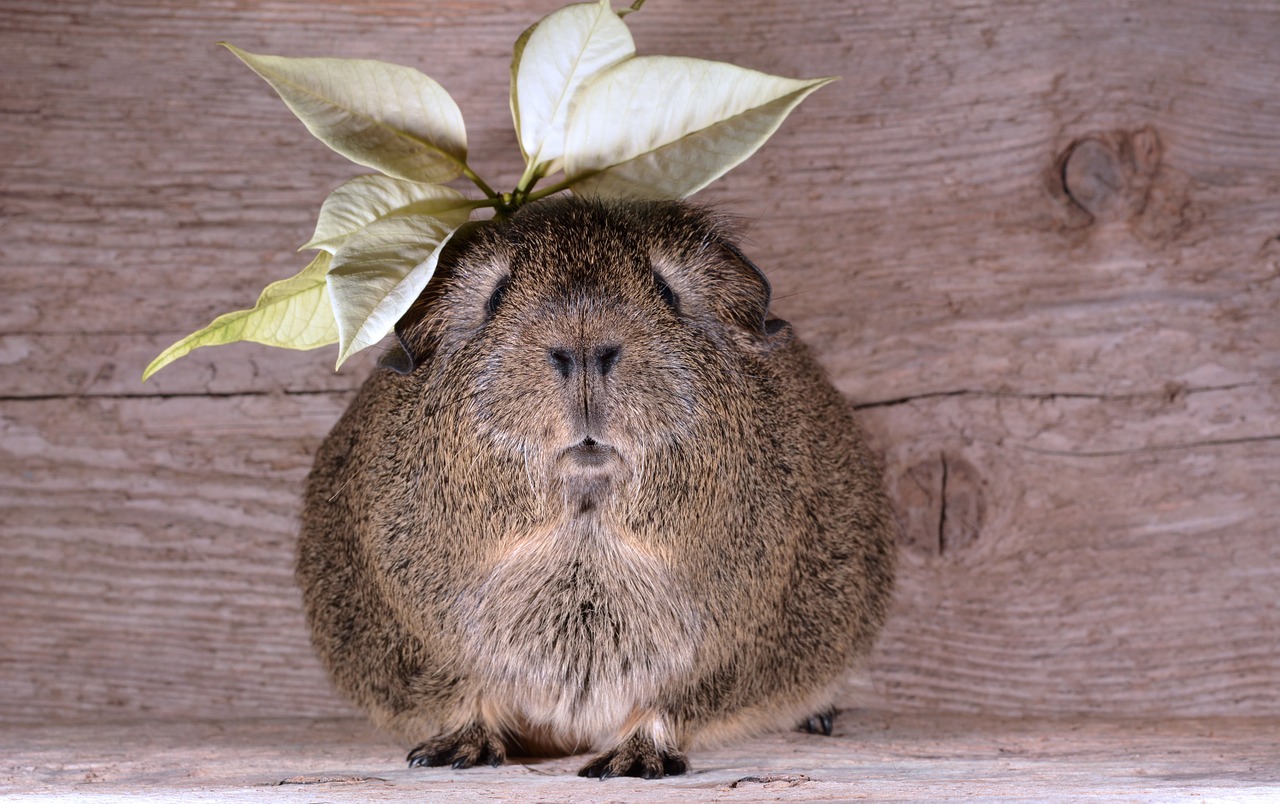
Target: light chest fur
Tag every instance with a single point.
(576, 628)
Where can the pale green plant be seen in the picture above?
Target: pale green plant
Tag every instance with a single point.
(585, 106)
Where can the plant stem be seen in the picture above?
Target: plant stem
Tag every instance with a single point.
(479, 182)
(552, 190)
(530, 177)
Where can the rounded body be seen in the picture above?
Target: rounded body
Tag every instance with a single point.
(611, 504)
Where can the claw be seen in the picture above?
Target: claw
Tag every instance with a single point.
(638, 756)
(819, 723)
(471, 745)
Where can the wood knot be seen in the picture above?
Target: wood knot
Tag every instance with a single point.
(942, 504)
(1107, 176)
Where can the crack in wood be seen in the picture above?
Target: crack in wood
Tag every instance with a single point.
(321, 780)
(1111, 453)
(180, 395)
(1049, 396)
(883, 403)
(942, 508)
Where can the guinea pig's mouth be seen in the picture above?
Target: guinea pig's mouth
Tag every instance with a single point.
(590, 454)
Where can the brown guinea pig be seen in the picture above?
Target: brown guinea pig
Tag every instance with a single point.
(607, 503)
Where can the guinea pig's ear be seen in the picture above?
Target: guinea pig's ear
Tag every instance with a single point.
(749, 307)
(418, 330)
(412, 344)
(398, 358)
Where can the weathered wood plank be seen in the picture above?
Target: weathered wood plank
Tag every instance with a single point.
(148, 570)
(1037, 242)
(1114, 556)
(924, 218)
(150, 545)
(871, 756)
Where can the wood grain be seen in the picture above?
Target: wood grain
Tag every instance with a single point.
(1037, 244)
(149, 548)
(870, 756)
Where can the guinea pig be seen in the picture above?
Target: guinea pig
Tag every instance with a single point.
(604, 502)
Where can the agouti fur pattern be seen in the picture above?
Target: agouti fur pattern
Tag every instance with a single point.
(601, 500)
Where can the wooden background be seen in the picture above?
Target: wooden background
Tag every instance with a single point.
(1037, 244)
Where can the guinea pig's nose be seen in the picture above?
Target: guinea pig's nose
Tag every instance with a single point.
(602, 359)
(564, 361)
(606, 358)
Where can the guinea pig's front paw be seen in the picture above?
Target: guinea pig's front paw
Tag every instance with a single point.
(638, 756)
(471, 745)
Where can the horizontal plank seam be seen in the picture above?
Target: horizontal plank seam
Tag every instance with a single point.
(1110, 453)
(1042, 396)
(179, 395)
(1051, 395)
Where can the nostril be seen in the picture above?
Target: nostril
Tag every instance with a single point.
(562, 360)
(607, 358)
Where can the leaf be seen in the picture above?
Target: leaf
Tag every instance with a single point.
(379, 272)
(552, 60)
(366, 199)
(294, 313)
(384, 116)
(687, 122)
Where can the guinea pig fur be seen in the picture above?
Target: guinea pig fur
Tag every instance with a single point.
(605, 503)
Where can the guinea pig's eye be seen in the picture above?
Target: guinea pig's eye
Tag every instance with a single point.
(664, 290)
(495, 298)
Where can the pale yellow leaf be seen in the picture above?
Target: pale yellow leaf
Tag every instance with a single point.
(365, 199)
(552, 60)
(379, 272)
(384, 116)
(294, 313)
(665, 126)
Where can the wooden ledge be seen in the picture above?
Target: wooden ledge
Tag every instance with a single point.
(872, 755)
